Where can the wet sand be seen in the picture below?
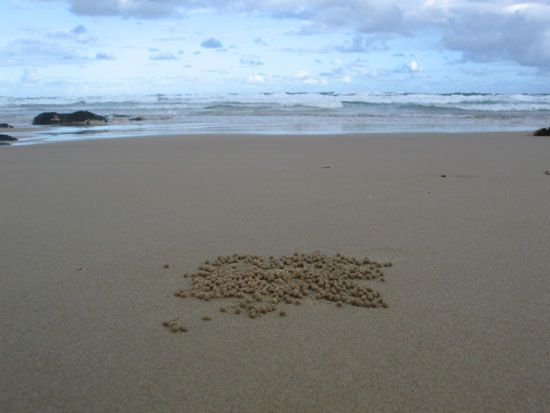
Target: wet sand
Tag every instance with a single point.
(16, 130)
(87, 228)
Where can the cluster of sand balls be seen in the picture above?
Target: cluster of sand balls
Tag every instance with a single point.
(174, 326)
(258, 285)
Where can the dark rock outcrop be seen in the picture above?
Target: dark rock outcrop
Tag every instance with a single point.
(80, 118)
(542, 132)
(5, 126)
(7, 138)
(137, 119)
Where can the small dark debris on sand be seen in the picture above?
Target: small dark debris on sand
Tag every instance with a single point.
(166, 266)
(547, 172)
(443, 176)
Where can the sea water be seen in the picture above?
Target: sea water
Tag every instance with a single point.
(281, 113)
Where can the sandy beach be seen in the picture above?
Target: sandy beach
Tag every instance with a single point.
(87, 228)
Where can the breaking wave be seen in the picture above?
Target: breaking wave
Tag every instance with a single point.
(289, 112)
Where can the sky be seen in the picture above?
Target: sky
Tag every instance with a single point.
(129, 47)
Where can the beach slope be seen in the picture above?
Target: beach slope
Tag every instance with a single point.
(87, 228)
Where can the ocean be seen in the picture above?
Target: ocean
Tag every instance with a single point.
(281, 113)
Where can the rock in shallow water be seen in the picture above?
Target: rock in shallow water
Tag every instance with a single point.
(542, 132)
(5, 126)
(7, 138)
(80, 118)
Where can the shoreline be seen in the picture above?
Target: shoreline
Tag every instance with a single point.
(88, 228)
(21, 143)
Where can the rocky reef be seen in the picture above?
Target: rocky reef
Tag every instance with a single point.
(542, 132)
(80, 118)
(6, 139)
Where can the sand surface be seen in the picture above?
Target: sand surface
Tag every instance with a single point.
(86, 228)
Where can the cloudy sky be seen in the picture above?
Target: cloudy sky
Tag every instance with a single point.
(97, 47)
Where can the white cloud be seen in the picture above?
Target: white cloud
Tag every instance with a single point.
(346, 72)
(314, 81)
(250, 60)
(80, 29)
(301, 74)
(412, 68)
(522, 36)
(163, 56)
(256, 78)
(32, 52)
(308, 79)
(146, 9)
(104, 56)
(30, 76)
(488, 30)
(212, 43)
(78, 34)
(362, 43)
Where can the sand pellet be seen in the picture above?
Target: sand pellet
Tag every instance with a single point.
(174, 326)
(258, 285)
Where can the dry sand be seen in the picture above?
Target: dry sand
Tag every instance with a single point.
(86, 228)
